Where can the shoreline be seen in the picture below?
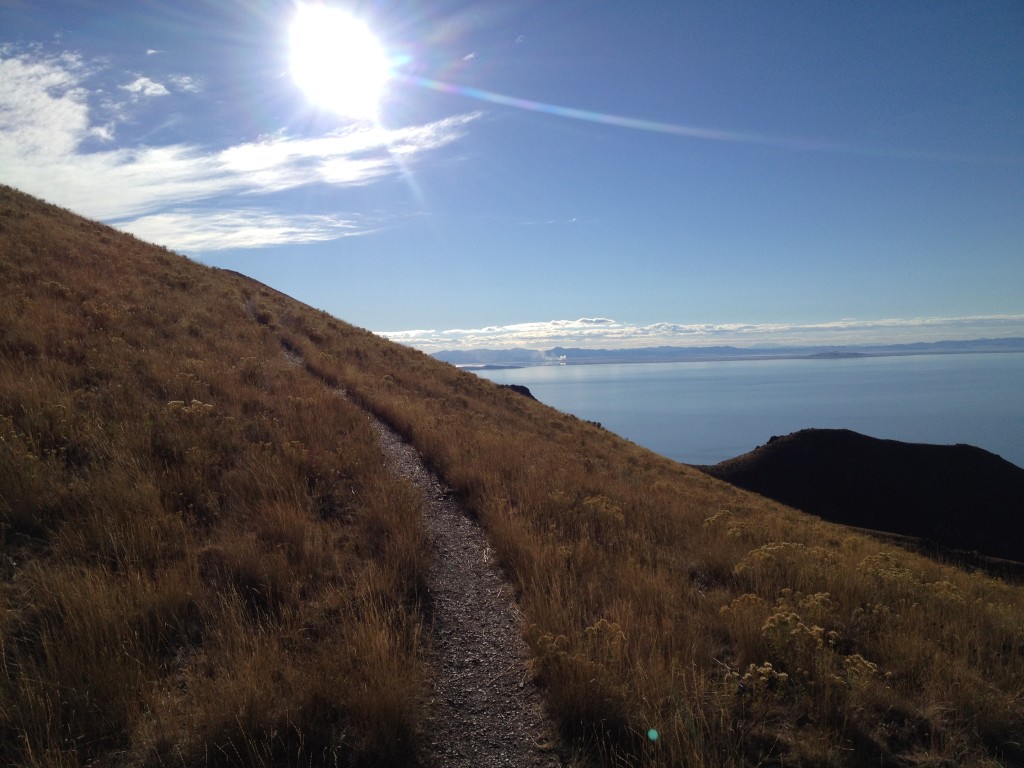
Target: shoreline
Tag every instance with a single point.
(612, 359)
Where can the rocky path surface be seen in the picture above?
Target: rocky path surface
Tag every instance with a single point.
(485, 710)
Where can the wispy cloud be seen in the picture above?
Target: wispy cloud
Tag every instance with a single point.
(548, 222)
(200, 231)
(46, 117)
(600, 332)
(185, 83)
(42, 108)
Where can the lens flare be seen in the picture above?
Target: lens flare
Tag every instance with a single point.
(804, 144)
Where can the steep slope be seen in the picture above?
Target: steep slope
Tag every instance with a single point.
(958, 496)
(206, 560)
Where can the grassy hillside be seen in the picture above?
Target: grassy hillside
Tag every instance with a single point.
(204, 561)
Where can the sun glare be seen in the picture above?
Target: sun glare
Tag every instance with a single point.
(337, 61)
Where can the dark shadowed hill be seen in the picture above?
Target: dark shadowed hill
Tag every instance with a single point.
(957, 496)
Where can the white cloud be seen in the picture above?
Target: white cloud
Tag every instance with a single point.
(45, 118)
(594, 333)
(143, 86)
(200, 231)
(42, 108)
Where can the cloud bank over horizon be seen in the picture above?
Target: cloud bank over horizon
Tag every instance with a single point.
(60, 118)
(601, 332)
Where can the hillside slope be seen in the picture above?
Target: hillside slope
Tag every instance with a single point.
(958, 496)
(205, 561)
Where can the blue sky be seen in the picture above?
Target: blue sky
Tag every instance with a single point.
(542, 174)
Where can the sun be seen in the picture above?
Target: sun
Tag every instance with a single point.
(337, 61)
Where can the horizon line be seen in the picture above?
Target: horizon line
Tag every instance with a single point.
(604, 333)
(756, 345)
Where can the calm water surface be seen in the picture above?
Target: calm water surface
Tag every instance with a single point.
(702, 413)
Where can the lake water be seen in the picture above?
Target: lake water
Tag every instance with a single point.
(702, 413)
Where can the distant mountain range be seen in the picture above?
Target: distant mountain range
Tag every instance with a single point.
(514, 358)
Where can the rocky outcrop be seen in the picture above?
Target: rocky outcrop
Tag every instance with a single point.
(519, 388)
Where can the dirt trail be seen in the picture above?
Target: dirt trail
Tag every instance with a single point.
(485, 710)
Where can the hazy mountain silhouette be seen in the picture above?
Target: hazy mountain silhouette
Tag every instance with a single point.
(674, 354)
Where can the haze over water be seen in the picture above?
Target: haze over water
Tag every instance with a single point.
(703, 413)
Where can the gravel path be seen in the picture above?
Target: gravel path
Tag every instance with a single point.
(485, 710)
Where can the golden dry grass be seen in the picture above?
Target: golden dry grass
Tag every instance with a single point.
(205, 561)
